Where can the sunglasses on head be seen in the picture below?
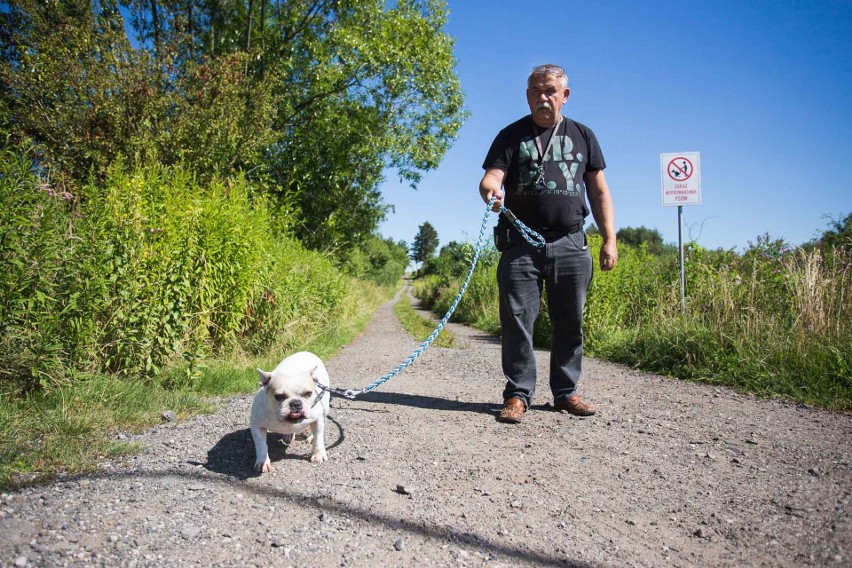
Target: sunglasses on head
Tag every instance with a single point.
(554, 70)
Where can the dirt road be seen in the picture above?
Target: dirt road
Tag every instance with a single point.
(668, 473)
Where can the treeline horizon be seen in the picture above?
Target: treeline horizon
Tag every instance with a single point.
(837, 233)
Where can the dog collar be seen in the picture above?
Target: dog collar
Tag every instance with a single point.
(321, 388)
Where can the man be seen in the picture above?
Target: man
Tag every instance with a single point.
(548, 165)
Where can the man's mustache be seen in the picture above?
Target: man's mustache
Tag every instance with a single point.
(545, 106)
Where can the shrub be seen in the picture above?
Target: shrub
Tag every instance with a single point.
(150, 269)
(164, 267)
(33, 248)
(379, 260)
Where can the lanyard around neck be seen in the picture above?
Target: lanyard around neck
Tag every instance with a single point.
(549, 142)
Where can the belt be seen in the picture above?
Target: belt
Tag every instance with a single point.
(551, 235)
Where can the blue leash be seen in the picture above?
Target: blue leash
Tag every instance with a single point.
(532, 237)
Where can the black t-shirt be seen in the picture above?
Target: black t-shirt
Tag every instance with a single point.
(561, 201)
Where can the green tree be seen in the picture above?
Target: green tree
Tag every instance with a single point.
(311, 99)
(363, 89)
(453, 260)
(71, 83)
(839, 234)
(637, 236)
(425, 243)
(379, 260)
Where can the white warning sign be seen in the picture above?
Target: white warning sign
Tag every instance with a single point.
(681, 178)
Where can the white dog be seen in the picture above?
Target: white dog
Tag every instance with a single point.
(293, 397)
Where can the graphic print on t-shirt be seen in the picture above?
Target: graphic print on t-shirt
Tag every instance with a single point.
(560, 156)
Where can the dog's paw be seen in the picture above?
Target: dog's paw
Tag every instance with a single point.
(263, 467)
(319, 457)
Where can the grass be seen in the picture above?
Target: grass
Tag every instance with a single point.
(420, 327)
(67, 428)
(71, 428)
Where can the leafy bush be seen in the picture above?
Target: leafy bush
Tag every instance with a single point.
(33, 247)
(165, 267)
(379, 260)
(297, 294)
(624, 297)
(150, 269)
(441, 277)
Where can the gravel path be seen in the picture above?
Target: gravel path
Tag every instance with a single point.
(420, 473)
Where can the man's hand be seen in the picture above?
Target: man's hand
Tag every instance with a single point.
(498, 197)
(601, 204)
(609, 256)
(491, 186)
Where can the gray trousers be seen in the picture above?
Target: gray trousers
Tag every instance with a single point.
(565, 267)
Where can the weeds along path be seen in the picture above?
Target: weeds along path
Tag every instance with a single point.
(421, 474)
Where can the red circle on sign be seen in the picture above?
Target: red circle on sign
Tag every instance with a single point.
(680, 172)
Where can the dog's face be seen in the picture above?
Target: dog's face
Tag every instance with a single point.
(290, 396)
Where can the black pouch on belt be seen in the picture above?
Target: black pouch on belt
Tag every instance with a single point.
(505, 236)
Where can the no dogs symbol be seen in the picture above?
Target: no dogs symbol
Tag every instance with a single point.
(680, 169)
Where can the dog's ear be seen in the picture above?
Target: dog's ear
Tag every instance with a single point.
(264, 377)
(315, 375)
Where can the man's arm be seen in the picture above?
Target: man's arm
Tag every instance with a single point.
(492, 186)
(602, 210)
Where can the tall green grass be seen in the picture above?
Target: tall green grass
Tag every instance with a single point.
(773, 321)
(147, 271)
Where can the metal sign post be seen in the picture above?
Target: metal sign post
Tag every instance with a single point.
(681, 185)
(680, 248)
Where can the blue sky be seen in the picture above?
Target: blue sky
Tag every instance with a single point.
(763, 90)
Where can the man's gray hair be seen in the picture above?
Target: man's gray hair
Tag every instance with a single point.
(549, 69)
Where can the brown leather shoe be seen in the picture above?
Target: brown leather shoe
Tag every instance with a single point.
(513, 411)
(573, 405)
